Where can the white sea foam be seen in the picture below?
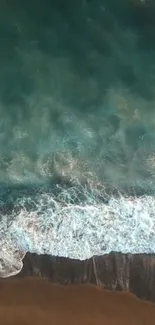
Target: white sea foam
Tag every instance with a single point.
(91, 227)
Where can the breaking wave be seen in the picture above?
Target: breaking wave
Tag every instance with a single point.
(74, 222)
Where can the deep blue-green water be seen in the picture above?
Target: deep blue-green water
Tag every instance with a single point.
(77, 92)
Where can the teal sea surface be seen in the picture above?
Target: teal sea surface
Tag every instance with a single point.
(77, 126)
(77, 92)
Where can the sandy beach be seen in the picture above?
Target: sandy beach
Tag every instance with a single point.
(35, 301)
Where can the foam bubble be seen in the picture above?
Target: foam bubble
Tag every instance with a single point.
(63, 226)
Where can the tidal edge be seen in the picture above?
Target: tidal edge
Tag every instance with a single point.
(133, 273)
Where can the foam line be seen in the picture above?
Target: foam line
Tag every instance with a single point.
(79, 230)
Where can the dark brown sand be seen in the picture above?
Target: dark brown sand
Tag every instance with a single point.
(35, 301)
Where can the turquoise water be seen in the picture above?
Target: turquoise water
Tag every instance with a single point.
(77, 128)
(77, 93)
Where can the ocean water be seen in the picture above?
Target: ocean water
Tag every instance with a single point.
(77, 128)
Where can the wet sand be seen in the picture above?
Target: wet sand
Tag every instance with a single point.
(35, 301)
